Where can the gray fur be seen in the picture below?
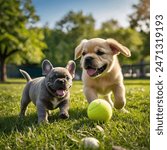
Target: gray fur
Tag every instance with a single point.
(43, 91)
(25, 74)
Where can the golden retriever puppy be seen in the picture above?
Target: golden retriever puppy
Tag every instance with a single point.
(101, 70)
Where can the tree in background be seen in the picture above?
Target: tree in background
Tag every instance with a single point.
(109, 27)
(22, 43)
(67, 34)
(18, 42)
(75, 26)
(126, 36)
(55, 51)
(140, 20)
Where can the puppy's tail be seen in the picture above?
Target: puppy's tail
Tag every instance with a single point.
(25, 75)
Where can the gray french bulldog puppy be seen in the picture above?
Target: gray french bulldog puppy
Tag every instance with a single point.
(49, 92)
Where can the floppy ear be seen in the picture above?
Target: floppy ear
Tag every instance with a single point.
(79, 49)
(117, 48)
(71, 68)
(46, 67)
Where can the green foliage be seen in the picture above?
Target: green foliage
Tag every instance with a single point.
(140, 18)
(108, 27)
(126, 36)
(68, 32)
(18, 42)
(75, 26)
(31, 50)
(25, 44)
(131, 131)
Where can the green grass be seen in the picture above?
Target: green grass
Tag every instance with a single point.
(131, 131)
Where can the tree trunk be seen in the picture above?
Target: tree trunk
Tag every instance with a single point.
(3, 70)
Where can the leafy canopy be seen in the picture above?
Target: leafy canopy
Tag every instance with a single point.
(18, 40)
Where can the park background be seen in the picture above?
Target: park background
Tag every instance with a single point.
(26, 40)
(31, 31)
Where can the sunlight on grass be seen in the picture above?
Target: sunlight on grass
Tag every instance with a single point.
(131, 131)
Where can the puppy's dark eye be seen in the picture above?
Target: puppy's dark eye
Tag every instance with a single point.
(100, 52)
(84, 53)
(67, 78)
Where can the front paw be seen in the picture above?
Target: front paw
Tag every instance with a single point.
(64, 115)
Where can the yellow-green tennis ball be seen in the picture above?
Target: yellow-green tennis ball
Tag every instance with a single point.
(99, 110)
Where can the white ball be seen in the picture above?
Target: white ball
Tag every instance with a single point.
(90, 143)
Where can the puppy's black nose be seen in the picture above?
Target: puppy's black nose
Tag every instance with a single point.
(61, 81)
(88, 60)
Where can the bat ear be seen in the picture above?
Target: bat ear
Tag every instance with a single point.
(46, 67)
(71, 66)
(79, 49)
(117, 48)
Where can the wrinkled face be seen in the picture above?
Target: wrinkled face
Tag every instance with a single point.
(58, 81)
(97, 55)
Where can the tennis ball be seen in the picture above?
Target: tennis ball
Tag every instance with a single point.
(99, 110)
(90, 143)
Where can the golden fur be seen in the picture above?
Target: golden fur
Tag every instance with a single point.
(103, 54)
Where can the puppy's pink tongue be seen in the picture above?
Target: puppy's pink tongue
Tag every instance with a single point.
(91, 71)
(60, 92)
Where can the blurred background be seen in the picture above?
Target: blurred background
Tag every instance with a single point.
(34, 30)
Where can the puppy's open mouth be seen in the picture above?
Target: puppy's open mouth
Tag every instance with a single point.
(59, 92)
(91, 71)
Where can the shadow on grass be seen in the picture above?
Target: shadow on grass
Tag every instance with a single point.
(79, 116)
(14, 123)
(77, 113)
(74, 113)
(11, 124)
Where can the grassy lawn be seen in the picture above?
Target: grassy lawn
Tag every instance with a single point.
(131, 131)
